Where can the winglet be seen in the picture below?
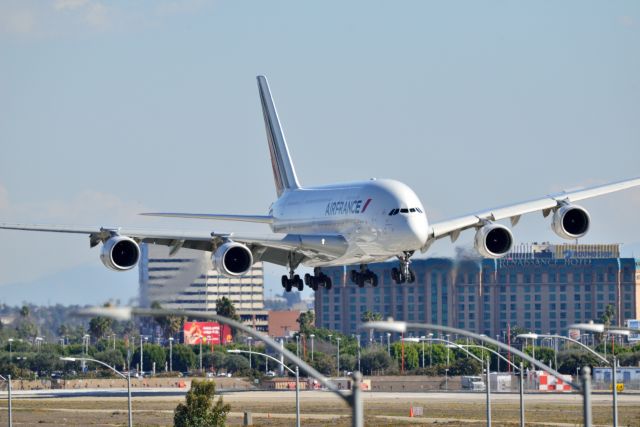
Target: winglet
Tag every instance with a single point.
(284, 173)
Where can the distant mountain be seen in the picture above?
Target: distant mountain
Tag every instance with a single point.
(87, 284)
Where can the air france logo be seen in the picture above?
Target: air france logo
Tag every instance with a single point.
(345, 207)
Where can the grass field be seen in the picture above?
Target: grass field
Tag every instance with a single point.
(324, 409)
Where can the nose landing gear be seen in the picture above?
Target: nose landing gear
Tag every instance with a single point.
(364, 276)
(404, 273)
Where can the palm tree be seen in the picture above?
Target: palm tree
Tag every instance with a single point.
(370, 316)
(224, 307)
(306, 320)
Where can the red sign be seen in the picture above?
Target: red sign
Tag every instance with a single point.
(206, 333)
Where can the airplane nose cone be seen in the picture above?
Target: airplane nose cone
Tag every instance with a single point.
(417, 230)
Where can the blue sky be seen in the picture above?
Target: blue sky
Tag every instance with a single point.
(108, 109)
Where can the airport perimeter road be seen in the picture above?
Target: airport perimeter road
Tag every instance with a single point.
(271, 408)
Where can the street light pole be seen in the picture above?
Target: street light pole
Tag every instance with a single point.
(170, 354)
(521, 394)
(296, 372)
(422, 338)
(141, 362)
(488, 361)
(126, 377)
(389, 343)
(10, 349)
(353, 399)
(312, 337)
(338, 340)
(8, 380)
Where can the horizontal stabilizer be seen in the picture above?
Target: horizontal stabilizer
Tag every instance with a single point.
(263, 219)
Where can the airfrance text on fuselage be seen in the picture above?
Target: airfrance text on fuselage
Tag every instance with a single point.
(345, 207)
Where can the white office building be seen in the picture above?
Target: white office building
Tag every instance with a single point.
(187, 281)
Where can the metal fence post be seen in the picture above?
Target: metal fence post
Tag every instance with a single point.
(614, 388)
(488, 391)
(9, 396)
(357, 418)
(521, 395)
(297, 396)
(585, 377)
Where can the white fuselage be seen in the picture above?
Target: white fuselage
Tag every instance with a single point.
(362, 212)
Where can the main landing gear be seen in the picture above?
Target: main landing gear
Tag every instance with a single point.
(315, 281)
(404, 273)
(319, 279)
(364, 276)
(292, 281)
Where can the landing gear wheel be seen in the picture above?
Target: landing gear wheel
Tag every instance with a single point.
(412, 276)
(285, 280)
(395, 275)
(354, 276)
(308, 280)
(327, 282)
(297, 282)
(287, 287)
(374, 280)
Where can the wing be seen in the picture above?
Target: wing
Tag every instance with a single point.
(453, 227)
(275, 248)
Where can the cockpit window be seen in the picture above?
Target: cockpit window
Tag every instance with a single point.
(396, 211)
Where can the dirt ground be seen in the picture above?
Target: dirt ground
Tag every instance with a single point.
(325, 409)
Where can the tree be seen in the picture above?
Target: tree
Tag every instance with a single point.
(152, 354)
(25, 311)
(465, 366)
(99, 326)
(224, 307)
(184, 359)
(112, 358)
(170, 324)
(306, 320)
(236, 363)
(201, 408)
(374, 360)
(214, 360)
(370, 316)
(323, 363)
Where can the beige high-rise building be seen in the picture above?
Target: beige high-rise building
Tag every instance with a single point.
(188, 281)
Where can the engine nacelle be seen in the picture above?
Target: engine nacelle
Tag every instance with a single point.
(571, 222)
(120, 253)
(493, 240)
(232, 259)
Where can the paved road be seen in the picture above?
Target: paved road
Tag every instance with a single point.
(324, 395)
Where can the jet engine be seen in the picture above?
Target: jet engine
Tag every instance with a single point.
(493, 240)
(232, 259)
(120, 253)
(571, 222)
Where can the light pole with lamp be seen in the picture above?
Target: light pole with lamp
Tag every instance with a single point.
(10, 409)
(533, 338)
(430, 351)
(296, 373)
(389, 343)
(600, 328)
(401, 327)
(126, 377)
(353, 399)
(170, 354)
(422, 338)
(312, 336)
(250, 358)
(338, 358)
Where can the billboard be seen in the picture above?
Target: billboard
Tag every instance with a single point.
(206, 333)
(634, 337)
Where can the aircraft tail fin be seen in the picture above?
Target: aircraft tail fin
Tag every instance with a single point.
(284, 173)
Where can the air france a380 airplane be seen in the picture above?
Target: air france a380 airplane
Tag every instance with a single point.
(342, 224)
